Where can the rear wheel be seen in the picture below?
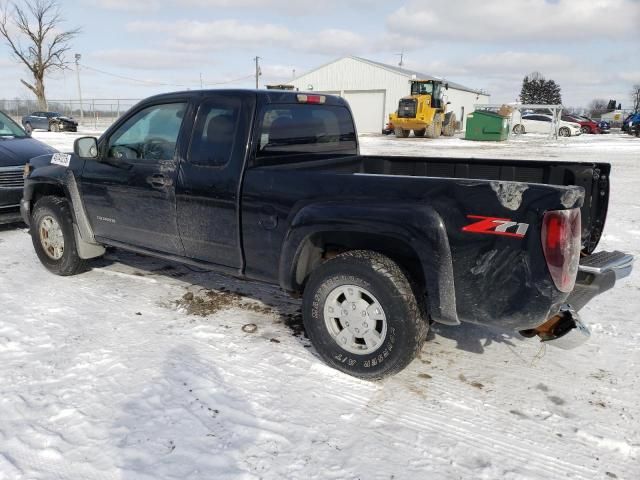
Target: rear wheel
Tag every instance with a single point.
(449, 129)
(585, 129)
(401, 132)
(53, 238)
(362, 316)
(54, 127)
(518, 129)
(419, 133)
(564, 132)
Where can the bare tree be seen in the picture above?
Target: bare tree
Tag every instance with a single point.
(635, 97)
(597, 107)
(34, 36)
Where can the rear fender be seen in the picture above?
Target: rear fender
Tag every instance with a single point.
(418, 227)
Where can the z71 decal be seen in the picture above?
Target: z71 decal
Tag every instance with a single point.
(496, 226)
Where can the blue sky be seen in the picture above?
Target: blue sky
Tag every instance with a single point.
(590, 47)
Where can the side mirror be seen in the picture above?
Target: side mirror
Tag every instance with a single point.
(86, 147)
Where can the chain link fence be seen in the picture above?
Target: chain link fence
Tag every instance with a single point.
(94, 113)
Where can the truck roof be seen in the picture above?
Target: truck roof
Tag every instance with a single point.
(263, 96)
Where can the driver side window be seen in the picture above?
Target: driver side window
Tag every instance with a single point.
(150, 134)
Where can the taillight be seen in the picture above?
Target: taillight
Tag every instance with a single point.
(306, 98)
(561, 235)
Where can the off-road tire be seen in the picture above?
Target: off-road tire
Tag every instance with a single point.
(419, 133)
(57, 208)
(401, 132)
(449, 129)
(435, 129)
(407, 325)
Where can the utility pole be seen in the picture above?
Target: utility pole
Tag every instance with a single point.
(258, 72)
(78, 57)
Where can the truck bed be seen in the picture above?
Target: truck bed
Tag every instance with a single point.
(593, 177)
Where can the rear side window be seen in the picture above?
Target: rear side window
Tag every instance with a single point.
(215, 132)
(292, 133)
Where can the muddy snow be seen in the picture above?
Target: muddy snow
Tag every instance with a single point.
(141, 369)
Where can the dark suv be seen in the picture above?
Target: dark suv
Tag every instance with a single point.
(51, 121)
(16, 148)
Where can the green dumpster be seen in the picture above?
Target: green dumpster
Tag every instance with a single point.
(487, 126)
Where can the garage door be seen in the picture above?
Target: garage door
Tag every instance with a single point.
(368, 109)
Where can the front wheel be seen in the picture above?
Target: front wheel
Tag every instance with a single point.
(361, 315)
(53, 238)
(402, 133)
(518, 129)
(54, 127)
(585, 130)
(564, 132)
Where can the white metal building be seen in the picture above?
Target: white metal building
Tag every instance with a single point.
(373, 89)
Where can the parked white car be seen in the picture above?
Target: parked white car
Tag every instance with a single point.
(540, 123)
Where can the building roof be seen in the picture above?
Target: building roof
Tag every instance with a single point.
(404, 72)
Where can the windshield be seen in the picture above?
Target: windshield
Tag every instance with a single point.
(9, 128)
(421, 88)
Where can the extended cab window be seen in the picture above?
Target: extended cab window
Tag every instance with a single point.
(215, 131)
(150, 134)
(289, 132)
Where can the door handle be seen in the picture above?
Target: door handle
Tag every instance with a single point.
(159, 181)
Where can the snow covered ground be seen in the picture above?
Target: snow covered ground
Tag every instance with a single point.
(107, 375)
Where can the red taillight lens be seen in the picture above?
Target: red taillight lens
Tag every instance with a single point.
(561, 235)
(306, 98)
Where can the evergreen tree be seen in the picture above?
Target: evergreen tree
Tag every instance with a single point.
(537, 90)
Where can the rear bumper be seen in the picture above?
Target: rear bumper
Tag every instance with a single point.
(597, 273)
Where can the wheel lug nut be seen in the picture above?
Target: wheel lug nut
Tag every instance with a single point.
(353, 306)
(364, 314)
(365, 325)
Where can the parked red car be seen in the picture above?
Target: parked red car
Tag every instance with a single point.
(586, 126)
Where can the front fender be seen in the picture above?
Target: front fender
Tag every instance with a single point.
(419, 227)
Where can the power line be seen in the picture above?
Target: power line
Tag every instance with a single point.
(152, 82)
(149, 82)
(231, 81)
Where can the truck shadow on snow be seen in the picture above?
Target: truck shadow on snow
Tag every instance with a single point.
(209, 292)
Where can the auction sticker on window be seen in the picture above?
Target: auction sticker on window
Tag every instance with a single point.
(61, 159)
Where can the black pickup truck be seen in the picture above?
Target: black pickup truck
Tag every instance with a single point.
(270, 186)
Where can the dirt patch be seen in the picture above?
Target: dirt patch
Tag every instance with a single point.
(214, 301)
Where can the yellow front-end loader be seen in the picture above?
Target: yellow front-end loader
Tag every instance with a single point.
(424, 112)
